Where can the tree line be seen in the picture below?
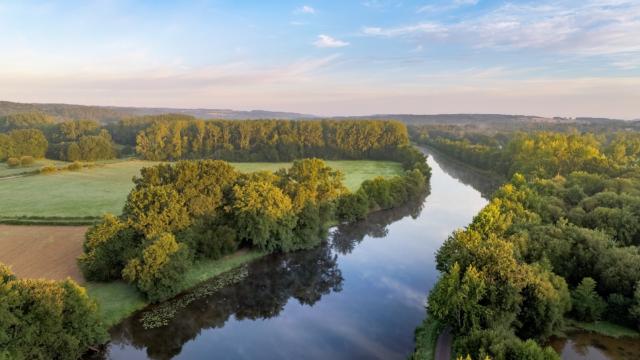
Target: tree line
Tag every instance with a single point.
(192, 210)
(175, 137)
(269, 140)
(561, 239)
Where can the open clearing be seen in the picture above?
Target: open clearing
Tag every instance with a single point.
(6, 170)
(95, 191)
(42, 251)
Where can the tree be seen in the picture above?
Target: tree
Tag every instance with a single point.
(108, 246)
(30, 142)
(587, 304)
(456, 299)
(635, 309)
(156, 209)
(41, 319)
(158, 271)
(263, 215)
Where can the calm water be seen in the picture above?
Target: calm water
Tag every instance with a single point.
(359, 296)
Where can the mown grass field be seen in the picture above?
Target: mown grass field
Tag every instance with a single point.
(104, 188)
(6, 171)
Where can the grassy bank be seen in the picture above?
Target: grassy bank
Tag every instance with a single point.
(93, 192)
(603, 328)
(118, 299)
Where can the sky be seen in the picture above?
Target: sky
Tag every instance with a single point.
(331, 57)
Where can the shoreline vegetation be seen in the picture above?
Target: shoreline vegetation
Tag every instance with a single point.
(195, 218)
(506, 284)
(118, 300)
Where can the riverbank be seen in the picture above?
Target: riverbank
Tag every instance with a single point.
(118, 300)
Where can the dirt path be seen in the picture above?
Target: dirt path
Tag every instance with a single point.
(48, 252)
(443, 346)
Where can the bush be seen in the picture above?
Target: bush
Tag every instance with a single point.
(75, 166)
(26, 160)
(13, 162)
(352, 207)
(48, 169)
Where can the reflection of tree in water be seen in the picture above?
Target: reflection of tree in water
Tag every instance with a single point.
(484, 182)
(263, 293)
(345, 237)
(305, 276)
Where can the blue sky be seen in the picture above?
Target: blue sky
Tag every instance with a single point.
(565, 58)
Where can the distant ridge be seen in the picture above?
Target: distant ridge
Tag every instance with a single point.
(108, 114)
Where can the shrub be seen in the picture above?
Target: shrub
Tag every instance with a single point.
(48, 169)
(13, 162)
(26, 160)
(352, 207)
(75, 166)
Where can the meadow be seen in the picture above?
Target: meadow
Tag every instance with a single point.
(104, 188)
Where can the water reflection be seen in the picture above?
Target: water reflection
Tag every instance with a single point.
(589, 346)
(305, 276)
(360, 295)
(485, 183)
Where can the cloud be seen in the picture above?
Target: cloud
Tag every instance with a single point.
(326, 41)
(440, 7)
(590, 28)
(306, 9)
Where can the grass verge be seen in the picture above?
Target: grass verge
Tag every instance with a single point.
(604, 328)
(118, 300)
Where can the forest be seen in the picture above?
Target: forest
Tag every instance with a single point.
(559, 241)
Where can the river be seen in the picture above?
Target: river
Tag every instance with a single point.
(359, 296)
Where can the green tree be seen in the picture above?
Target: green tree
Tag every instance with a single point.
(263, 215)
(158, 271)
(156, 209)
(587, 304)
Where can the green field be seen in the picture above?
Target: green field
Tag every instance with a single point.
(102, 189)
(5, 170)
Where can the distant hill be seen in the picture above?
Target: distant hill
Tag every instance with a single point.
(107, 114)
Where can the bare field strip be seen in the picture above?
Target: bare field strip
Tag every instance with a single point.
(48, 252)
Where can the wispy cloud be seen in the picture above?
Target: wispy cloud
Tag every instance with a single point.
(446, 6)
(592, 28)
(326, 41)
(305, 9)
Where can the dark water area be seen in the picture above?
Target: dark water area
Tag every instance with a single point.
(589, 346)
(359, 296)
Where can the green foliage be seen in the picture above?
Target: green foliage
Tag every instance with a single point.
(27, 142)
(457, 299)
(352, 206)
(156, 209)
(108, 246)
(264, 215)
(264, 140)
(159, 269)
(46, 319)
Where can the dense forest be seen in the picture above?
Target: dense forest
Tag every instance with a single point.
(560, 240)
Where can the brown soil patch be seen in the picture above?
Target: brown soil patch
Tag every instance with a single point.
(48, 252)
